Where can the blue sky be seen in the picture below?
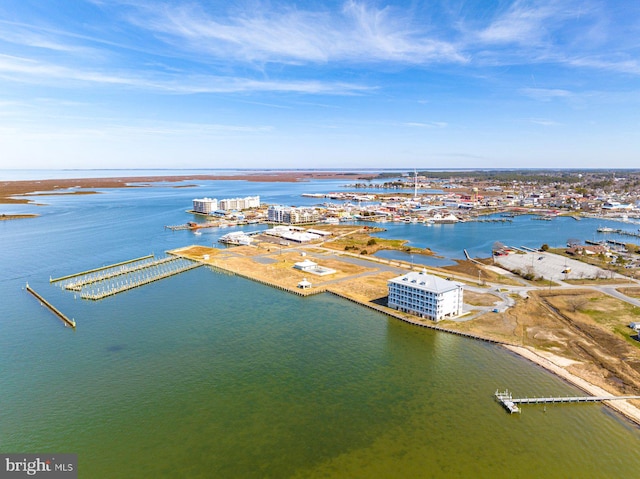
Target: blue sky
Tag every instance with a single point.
(324, 84)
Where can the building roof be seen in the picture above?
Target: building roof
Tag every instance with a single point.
(307, 263)
(426, 282)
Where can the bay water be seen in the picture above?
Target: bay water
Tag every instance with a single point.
(209, 375)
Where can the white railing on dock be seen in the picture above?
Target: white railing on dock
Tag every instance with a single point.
(511, 404)
(141, 276)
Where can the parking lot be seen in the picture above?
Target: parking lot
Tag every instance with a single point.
(551, 266)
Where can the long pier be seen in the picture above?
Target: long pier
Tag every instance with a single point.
(52, 308)
(62, 278)
(106, 274)
(511, 404)
(109, 287)
(618, 232)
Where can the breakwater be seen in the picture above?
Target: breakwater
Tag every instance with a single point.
(52, 308)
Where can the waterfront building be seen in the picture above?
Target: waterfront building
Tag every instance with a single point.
(240, 203)
(205, 205)
(291, 233)
(236, 238)
(291, 215)
(425, 295)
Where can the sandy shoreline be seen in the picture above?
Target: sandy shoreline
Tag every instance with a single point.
(553, 364)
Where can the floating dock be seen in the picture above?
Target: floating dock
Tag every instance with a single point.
(511, 404)
(69, 322)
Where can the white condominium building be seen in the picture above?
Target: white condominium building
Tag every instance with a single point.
(425, 295)
(240, 203)
(205, 205)
(291, 215)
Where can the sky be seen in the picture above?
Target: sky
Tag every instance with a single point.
(320, 84)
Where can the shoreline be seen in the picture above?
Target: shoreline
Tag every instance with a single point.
(627, 410)
(11, 189)
(551, 363)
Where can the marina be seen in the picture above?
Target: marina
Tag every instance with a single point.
(62, 278)
(114, 279)
(112, 271)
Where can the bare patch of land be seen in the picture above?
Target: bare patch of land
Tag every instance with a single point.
(632, 292)
(4, 217)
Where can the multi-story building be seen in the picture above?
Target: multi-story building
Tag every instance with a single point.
(425, 295)
(291, 215)
(205, 205)
(240, 203)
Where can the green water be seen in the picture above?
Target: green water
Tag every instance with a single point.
(234, 379)
(205, 375)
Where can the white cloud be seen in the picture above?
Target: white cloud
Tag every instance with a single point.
(631, 66)
(28, 70)
(546, 94)
(359, 33)
(543, 122)
(430, 124)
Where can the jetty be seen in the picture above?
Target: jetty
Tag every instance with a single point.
(69, 322)
(511, 404)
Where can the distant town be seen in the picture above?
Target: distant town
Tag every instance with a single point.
(451, 197)
(422, 197)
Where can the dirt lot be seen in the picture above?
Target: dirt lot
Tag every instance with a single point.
(583, 326)
(550, 266)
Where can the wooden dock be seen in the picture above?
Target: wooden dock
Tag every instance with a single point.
(62, 278)
(506, 400)
(69, 322)
(113, 271)
(511, 404)
(156, 271)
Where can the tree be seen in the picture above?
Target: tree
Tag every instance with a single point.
(576, 303)
(544, 247)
